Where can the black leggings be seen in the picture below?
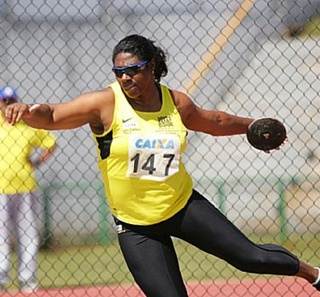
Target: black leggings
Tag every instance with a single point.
(151, 258)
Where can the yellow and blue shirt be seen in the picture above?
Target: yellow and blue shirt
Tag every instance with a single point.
(17, 143)
(140, 161)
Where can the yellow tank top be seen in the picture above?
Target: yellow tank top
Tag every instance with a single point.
(140, 161)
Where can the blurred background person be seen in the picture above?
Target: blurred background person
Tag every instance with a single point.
(18, 145)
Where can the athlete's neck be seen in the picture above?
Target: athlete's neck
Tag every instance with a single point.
(151, 102)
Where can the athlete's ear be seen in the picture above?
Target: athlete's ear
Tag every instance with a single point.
(152, 65)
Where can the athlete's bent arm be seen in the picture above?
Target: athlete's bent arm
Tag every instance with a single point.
(213, 122)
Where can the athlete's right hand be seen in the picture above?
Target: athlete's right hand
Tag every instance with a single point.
(17, 111)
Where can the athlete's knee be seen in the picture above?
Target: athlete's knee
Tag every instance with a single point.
(266, 258)
(251, 262)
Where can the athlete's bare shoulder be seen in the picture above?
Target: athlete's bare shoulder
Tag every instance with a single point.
(183, 102)
(99, 98)
(180, 98)
(104, 101)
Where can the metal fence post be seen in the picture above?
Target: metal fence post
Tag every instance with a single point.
(282, 210)
(103, 222)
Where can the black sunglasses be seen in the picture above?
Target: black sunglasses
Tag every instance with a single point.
(130, 70)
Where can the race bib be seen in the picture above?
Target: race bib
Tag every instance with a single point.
(153, 157)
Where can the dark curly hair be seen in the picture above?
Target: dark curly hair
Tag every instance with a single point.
(145, 50)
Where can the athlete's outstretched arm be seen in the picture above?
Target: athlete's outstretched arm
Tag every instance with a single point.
(88, 108)
(214, 122)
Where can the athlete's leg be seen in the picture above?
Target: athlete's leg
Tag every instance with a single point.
(204, 226)
(5, 223)
(27, 237)
(153, 262)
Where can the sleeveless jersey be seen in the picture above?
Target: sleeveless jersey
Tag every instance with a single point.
(140, 161)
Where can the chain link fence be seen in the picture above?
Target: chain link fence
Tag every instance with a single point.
(255, 58)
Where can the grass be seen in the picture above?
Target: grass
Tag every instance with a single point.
(104, 265)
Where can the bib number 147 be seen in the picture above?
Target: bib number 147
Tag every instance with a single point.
(149, 163)
(147, 160)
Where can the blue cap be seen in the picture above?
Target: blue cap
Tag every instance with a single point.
(8, 93)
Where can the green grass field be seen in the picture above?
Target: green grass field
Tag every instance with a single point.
(104, 265)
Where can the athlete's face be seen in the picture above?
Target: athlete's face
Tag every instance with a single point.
(133, 75)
